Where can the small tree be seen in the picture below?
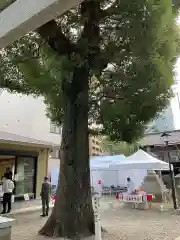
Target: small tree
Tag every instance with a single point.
(103, 63)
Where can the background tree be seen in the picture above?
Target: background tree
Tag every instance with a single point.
(107, 63)
(116, 148)
(153, 129)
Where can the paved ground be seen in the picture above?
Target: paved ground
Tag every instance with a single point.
(121, 224)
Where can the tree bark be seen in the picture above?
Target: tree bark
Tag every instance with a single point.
(72, 215)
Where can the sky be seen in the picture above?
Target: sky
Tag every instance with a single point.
(174, 102)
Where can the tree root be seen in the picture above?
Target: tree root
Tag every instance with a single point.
(49, 228)
(53, 228)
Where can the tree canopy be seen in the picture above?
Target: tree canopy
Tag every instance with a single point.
(132, 57)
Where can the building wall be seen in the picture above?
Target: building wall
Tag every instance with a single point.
(42, 170)
(53, 163)
(26, 116)
(42, 161)
(164, 153)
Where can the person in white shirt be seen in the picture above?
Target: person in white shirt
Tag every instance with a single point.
(130, 186)
(8, 187)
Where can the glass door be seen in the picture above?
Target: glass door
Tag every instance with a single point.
(25, 175)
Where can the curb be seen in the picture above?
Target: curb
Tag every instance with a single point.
(38, 208)
(26, 210)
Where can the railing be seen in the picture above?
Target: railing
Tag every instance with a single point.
(131, 198)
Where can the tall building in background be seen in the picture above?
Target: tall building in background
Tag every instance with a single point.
(165, 122)
(95, 147)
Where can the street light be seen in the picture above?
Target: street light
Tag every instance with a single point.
(165, 136)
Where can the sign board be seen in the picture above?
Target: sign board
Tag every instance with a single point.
(99, 182)
(131, 198)
(26, 197)
(16, 177)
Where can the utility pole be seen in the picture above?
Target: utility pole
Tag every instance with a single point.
(165, 137)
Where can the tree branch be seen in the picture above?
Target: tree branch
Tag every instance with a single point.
(113, 9)
(16, 87)
(56, 39)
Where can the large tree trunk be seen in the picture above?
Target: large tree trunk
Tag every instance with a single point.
(72, 215)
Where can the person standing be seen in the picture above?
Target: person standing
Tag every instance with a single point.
(7, 187)
(46, 192)
(9, 172)
(130, 186)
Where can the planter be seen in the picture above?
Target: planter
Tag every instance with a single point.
(5, 228)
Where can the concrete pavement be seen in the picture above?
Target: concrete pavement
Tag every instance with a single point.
(119, 222)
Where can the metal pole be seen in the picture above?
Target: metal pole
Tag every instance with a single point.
(172, 180)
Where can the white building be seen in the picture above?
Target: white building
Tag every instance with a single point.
(26, 116)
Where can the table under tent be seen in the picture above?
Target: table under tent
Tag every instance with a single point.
(110, 173)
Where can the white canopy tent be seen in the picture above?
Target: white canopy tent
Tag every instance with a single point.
(104, 162)
(136, 167)
(140, 160)
(100, 170)
(114, 170)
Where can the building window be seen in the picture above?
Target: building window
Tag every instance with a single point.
(54, 128)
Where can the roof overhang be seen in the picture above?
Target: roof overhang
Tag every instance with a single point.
(24, 16)
(29, 144)
(14, 139)
(160, 145)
